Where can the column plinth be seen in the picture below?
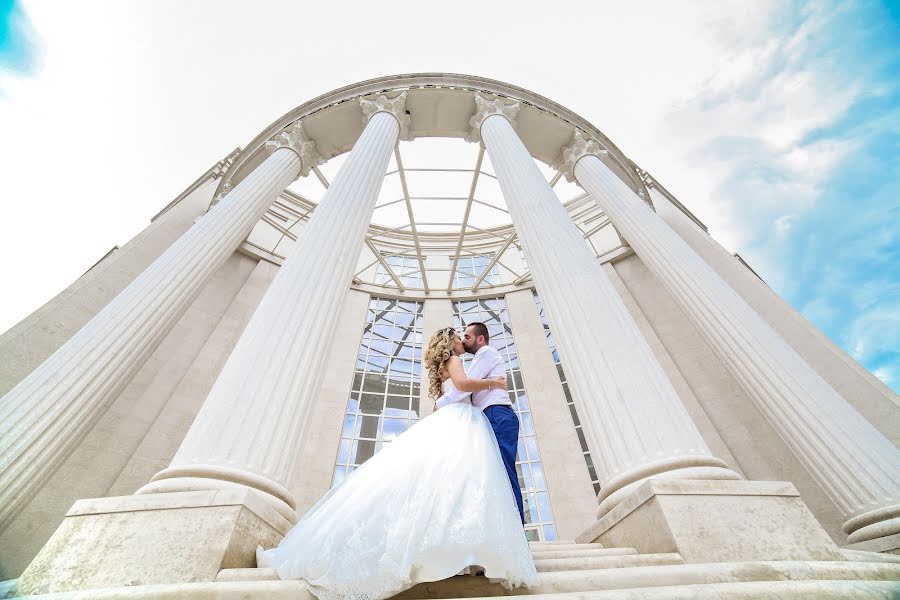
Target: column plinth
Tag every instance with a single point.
(252, 426)
(45, 416)
(855, 465)
(636, 425)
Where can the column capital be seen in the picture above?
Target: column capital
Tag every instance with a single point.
(578, 148)
(395, 106)
(487, 105)
(295, 139)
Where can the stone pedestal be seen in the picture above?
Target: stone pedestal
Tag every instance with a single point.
(180, 537)
(715, 521)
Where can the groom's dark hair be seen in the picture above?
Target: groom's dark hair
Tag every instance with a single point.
(481, 329)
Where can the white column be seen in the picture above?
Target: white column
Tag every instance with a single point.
(46, 415)
(856, 466)
(253, 424)
(637, 426)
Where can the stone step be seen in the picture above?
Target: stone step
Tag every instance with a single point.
(582, 552)
(782, 590)
(606, 562)
(566, 546)
(822, 589)
(595, 580)
(256, 574)
(550, 543)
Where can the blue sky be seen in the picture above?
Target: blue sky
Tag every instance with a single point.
(818, 207)
(777, 123)
(18, 52)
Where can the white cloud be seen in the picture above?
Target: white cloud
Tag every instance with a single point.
(783, 223)
(886, 375)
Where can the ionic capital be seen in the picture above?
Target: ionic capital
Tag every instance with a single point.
(578, 148)
(395, 106)
(487, 106)
(296, 140)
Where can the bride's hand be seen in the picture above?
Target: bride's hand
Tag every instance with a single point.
(502, 383)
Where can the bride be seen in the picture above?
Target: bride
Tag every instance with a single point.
(431, 503)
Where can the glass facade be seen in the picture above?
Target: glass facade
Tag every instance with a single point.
(493, 313)
(406, 268)
(565, 385)
(384, 400)
(470, 269)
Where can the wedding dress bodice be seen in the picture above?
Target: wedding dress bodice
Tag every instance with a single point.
(447, 387)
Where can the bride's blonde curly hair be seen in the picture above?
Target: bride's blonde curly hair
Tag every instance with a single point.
(440, 347)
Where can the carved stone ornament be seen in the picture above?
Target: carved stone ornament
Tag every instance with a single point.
(580, 146)
(226, 187)
(395, 106)
(487, 106)
(295, 139)
(648, 182)
(646, 177)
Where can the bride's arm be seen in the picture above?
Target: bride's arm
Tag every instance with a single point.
(464, 383)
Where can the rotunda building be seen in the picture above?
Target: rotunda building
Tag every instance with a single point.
(202, 386)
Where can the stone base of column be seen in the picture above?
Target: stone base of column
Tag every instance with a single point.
(170, 538)
(715, 521)
(889, 544)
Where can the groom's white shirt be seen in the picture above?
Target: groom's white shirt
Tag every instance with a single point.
(487, 364)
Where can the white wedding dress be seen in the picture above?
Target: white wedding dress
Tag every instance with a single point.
(431, 503)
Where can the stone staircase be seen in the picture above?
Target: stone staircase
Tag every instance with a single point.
(559, 558)
(570, 571)
(563, 566)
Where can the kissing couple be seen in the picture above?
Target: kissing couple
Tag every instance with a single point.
(441, 499)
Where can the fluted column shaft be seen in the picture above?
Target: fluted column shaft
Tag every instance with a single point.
(856, 466)
(637, 426)
(45, 416)
(252, 425)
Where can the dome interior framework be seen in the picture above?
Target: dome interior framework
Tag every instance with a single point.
(441, 224)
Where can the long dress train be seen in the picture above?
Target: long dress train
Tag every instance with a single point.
(431, 503)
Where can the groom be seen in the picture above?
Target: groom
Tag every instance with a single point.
(495, 403)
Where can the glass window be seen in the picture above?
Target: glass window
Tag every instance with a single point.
(470, 268)
(492, 312)
(406, 268)
(565, 385)
(384, 399)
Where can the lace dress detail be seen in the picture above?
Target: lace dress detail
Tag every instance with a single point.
(433, 502)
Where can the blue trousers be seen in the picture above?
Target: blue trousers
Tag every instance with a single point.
(505, 423)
